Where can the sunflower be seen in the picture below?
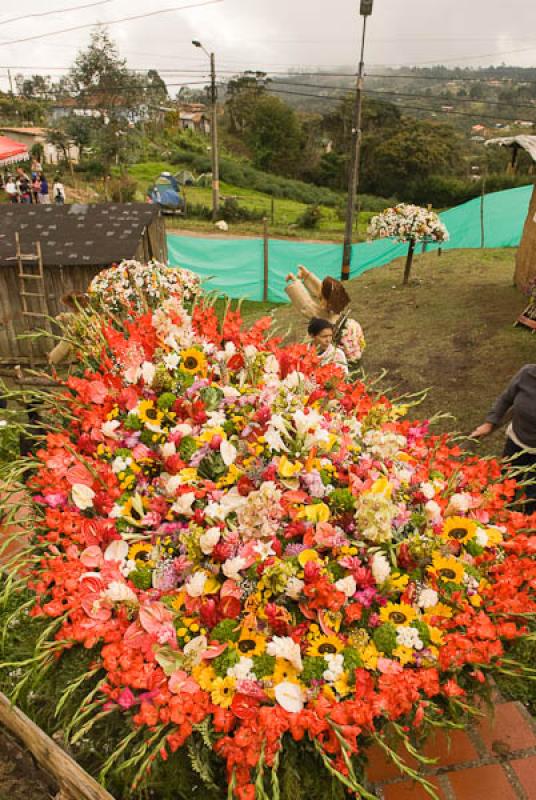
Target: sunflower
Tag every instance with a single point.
(193, 361)
(284, 671)
(141, 554)
(251, 643)
(398, 613)
(149, 414)
(448, 570)
(403, 654)
(205, 676)
(325, 646)
(223, 690)
(439, 610)
(134, 509)
(459, 528)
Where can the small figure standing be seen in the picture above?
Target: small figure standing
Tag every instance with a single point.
(58, 191)
(520, 445)
(43, 196)
(11, 190)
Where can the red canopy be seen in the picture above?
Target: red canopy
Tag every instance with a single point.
(12, 151)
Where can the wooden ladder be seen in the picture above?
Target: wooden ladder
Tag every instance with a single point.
(32, 290)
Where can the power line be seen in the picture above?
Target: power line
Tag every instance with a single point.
(449, 79)
(448, 100)
(55, 11)
(113, 21)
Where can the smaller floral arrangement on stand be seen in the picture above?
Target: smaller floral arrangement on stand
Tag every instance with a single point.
(140, 287)
(406, 222)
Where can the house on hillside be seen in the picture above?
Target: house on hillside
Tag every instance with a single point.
(30, 136)
(193, 116)
(76, 242)
(92, 107)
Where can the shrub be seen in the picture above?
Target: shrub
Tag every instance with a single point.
(311, 217)
(123, 189)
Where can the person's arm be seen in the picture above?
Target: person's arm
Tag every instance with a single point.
(501, 405)
(312, 283)
(301, 299)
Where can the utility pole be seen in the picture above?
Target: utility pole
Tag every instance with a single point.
(353, 180)
(213, 132)
(10, 79)
(214, 136)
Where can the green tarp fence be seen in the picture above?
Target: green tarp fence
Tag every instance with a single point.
(235, 267)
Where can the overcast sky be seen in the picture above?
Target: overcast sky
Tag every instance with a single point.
(271, 34)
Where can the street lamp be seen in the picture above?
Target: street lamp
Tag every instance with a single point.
(214, 132)
(353, 181)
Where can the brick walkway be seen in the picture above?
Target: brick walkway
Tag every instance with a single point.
(494, 760)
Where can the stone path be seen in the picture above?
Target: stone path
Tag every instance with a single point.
(494, 760)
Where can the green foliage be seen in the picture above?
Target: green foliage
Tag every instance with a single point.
(225, 631)
(225, 661)
(521, 688)
(311, 217)
(385, 638)
(187, 447)
(9, 443)
(341, 500)
(313, 668)
(275, 137)
(166, 401)
(122, 189)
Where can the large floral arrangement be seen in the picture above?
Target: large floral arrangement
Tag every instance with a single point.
(135, 286)
(257, 553)
(407, 222)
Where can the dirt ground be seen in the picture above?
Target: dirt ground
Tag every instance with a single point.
(20, 777)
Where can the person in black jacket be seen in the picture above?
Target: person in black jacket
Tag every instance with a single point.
(520, 445)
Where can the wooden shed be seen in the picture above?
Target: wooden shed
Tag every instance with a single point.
(76, 242)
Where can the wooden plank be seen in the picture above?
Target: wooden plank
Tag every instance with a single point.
(74, 782)
(529, 323)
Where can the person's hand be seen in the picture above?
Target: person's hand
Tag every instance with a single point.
(303, 272)
(483, 430)
(290, 277)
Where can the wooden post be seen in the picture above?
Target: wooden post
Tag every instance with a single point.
(73, 781)
(265, 250)
(482, 196)
(409, 259)
(272, 208)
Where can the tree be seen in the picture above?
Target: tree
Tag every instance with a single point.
(156, 87)
(101, 82)
(275, 137)
(397, 163)
(242, 96)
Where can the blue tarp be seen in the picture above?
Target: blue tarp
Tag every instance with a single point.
(235, 267)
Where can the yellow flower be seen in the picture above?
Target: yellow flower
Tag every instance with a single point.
(403, 654)
(436, 635)
(439, 610)
(178, 601)
(212, 585)
(205, 676)
(398, 613)
(341, 685)
(149, 414)
(382, 486)
(284, 671)
(141, 554)
(369, 655)
(328, 692)
(494, 535)
(223, 690)
(448, 570)
(324, 646)
(188, 474)
(459, 528)
(398, 582)
(307, 555)
(317, 512)
(251, 643)
(287, 469)
(475, 600)
(193, 361)
(134, 509)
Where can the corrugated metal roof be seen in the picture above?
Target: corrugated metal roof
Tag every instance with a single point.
(93, 235)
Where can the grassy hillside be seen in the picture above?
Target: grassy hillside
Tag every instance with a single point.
(286, 212)
(451, 332)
